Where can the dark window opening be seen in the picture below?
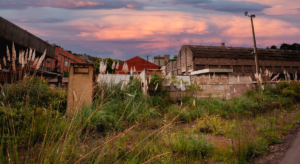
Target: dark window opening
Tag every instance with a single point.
(225, 66)
(295, 68)
(248, 68)
(48, 60)
(200, 67)
(287, 68)
(277, 69)
(237, 68)
(268, 68)
(213, 66)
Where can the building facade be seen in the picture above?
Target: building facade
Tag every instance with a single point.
(193, 58)
(61, 63)
(160, 60)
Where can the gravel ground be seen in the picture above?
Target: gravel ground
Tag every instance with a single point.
(277, 151)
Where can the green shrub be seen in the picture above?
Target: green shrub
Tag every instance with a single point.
(290, 93)
(250, 149)
(66, 74)
(250, 93)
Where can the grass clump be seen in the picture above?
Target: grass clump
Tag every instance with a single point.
(191, 147)
(215, 125)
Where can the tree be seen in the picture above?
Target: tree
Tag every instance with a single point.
(286, 46)
(55, 45)
(172, 60)
(274, 47)
(194, 88)
(109, 64)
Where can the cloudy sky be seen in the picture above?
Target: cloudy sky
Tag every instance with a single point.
(126, 28)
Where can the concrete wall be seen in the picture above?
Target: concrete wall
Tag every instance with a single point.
(119, 78)
(112, 78)
(222, 86)
(80, 88)
(175, 87)
(160, 61)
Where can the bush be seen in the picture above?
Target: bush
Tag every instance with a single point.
(290, 93)
(249, 93)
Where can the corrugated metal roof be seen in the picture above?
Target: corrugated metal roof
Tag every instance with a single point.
(13, 33)
(241, 53)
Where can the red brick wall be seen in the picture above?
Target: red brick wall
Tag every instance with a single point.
(62, 56)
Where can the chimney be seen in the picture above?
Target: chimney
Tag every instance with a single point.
(223, 44)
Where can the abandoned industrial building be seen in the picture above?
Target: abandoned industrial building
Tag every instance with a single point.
(57, 61)
(197, 59)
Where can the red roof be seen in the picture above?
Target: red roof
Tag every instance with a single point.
(139, 64)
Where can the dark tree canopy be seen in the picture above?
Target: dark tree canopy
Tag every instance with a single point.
(286, 46)
(273, 47)
(172, 60)
(109, 64)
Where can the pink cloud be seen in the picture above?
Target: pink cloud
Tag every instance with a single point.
(72, 4)
(126, 32)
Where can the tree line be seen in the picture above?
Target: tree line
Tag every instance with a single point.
(286, 46)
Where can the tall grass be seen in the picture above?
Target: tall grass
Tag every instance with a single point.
(122, 125)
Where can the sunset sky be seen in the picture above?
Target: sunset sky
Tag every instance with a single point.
(123, 29)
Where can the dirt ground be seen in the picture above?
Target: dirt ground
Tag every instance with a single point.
(277, 151)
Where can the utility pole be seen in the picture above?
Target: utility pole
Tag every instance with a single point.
(254, 41)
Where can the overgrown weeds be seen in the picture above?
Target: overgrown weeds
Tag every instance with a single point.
(118, 126)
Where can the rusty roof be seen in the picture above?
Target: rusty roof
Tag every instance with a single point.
(139, 64)
(241, 53)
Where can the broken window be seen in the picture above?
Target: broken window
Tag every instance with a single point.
(237, 68)
(248, 68)
(200, 67)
